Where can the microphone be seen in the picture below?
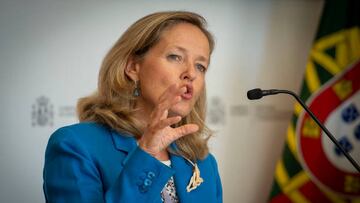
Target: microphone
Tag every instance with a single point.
(258, 94)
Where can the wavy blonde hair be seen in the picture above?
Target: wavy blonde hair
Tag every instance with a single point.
(113, 104)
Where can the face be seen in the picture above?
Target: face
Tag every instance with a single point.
(180, 57)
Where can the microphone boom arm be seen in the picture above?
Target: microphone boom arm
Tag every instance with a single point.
(327, 132)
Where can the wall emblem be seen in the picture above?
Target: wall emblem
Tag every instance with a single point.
(216, 111)
(42, 112)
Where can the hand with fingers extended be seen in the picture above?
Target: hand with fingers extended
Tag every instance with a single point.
(159, 134)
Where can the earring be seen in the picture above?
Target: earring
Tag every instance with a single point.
(136, 91)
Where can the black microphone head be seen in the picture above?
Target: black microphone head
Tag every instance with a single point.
(254, 94)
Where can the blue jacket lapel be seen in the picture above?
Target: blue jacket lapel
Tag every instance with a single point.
(123, 142)
(183, 172)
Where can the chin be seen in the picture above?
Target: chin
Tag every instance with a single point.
(179, 111)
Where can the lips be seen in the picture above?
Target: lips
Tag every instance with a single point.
(189, 92)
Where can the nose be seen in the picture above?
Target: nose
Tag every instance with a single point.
(189, 73)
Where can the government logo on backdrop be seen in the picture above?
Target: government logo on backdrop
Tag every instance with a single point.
(42, 112)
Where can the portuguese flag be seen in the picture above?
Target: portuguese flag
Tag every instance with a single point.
(312, 169)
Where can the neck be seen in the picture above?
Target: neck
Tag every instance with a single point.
(142, 115)
(163, 156)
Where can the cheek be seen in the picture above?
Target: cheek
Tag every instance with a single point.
(166, 80)
(168, 75)
(159, 74)
(155, 83)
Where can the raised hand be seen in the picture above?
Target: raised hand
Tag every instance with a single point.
(159, 134)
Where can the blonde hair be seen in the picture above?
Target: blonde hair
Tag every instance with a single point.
(113, 104)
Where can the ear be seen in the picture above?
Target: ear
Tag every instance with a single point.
(132, 69)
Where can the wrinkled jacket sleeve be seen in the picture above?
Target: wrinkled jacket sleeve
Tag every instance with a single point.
(71, 175)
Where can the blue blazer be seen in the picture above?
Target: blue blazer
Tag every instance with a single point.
(89, 162)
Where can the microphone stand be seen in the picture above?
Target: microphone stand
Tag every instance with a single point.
(327, 132)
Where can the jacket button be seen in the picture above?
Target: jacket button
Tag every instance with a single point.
(151, 175)
(147, 182)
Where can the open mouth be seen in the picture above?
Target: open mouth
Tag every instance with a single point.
(189, 92)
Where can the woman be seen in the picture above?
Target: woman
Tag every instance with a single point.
(142, 136)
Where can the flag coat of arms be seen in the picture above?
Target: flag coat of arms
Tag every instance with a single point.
(312, 169)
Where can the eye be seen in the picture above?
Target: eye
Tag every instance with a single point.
(201, 67)
(174, 57)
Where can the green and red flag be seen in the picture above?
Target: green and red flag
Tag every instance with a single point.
(312, 169)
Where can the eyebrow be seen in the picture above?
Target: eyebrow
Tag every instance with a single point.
(200, 57)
